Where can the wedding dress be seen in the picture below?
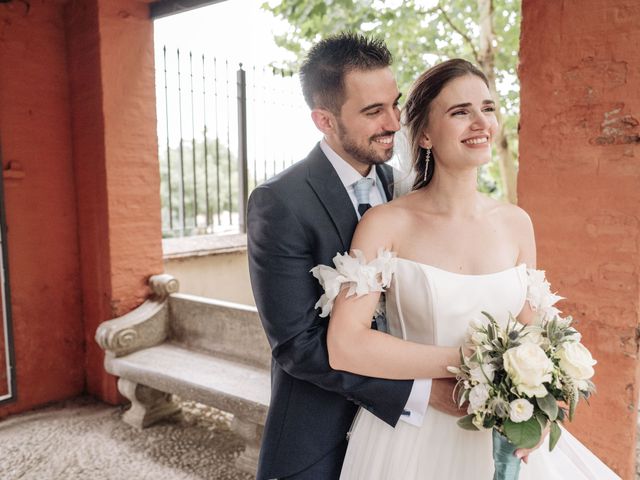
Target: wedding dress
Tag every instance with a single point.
(433, 306)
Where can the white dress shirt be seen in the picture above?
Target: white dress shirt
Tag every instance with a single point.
(416, 405)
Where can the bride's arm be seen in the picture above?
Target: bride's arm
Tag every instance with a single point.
(523, 232)
(351, 343)
(527, 247)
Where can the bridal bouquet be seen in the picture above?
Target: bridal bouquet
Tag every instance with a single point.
(520, 379)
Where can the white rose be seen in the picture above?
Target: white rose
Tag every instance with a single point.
(482, 373)
(478, 396)
(576, 360)
(528, 367)
(520, 410)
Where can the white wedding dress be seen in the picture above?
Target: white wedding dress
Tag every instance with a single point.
(433, 306)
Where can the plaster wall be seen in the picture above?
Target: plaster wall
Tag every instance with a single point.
(40, 202)
(77, 126)
(579, 180)
(223, 276)
(111, 67)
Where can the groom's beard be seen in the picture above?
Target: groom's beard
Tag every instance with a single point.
(366, 154)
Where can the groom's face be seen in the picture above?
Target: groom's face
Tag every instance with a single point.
(368, 119)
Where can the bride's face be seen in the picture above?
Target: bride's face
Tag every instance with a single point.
(462, 124)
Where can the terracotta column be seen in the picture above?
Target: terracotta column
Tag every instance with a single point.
(110, 58)
(580, 181)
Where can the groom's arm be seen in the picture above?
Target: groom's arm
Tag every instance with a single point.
(280, 257)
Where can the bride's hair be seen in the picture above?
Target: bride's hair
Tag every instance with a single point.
(416, 109)
(325, 66)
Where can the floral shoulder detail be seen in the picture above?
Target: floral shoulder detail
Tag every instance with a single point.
(362, 277)
(539, 295)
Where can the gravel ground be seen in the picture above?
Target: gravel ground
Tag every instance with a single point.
(84, 439)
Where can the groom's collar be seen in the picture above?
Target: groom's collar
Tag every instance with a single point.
(348, 175)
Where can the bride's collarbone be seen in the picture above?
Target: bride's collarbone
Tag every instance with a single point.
(436, 228)
(469, 254)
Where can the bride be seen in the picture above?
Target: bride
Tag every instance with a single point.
(457, 253)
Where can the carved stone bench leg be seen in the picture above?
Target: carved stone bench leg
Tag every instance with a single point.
(251, 433)
(148, 405)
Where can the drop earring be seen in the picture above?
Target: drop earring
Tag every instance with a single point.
(427, 157)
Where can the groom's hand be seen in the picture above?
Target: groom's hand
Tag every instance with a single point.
(441, 397)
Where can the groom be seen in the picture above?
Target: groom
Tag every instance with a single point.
(302, 218)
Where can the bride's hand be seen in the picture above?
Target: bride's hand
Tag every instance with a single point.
(523, 453)
(441, 397)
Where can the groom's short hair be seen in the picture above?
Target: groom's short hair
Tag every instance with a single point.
(325, 66)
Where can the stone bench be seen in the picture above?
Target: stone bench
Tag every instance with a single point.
(200, 349)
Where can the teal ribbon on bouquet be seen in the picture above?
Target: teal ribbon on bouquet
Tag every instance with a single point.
(507, 465)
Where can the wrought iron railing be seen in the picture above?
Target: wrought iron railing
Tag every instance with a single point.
(223, 128)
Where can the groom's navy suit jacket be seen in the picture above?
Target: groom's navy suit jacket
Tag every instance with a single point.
(296, 220)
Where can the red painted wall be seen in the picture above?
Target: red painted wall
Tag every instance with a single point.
(78, 128)
(580, 181)
(35, 136)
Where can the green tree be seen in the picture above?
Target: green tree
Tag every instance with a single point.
(421, 33)
(208, 185)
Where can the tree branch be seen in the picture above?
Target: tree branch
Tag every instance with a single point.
(459, 32)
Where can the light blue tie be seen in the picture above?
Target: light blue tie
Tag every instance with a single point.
(362, 188)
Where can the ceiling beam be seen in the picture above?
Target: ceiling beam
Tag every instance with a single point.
(164, 8)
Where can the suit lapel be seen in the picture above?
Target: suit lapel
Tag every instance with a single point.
(385, 174)
(325, 182)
